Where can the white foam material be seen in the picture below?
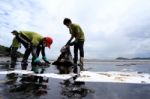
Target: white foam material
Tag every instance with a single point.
(115, 77)
(50, 75)
(89, 76)
(16, 71)
(57, 76)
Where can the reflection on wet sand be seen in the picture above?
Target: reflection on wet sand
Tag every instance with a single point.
(73, 89)
(70, 88)
(27, 83)
(31, 84)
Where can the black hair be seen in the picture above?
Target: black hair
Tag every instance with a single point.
(14, 31)
(66, 21)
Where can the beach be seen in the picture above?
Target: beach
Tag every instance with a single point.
(12, 86)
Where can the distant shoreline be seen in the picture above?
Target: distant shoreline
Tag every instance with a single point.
(115, 60)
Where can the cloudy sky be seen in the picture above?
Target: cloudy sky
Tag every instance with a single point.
(112, 28)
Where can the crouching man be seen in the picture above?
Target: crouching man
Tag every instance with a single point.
(34, 43)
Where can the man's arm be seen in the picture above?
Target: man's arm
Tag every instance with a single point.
(69, 41)
(43, 51)
(44, 56)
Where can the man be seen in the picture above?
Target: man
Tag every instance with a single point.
(13, 52)
(77, 33)
(34, 43)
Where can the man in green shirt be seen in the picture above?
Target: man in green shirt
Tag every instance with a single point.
(34, 43)
(77, 33)
(13, 52)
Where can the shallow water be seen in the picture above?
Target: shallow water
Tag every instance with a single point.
(50, 88)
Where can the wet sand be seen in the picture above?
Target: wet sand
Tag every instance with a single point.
(12, 86)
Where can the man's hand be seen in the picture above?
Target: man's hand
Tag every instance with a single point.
(67, 44)
(37, 60)
(46, 60)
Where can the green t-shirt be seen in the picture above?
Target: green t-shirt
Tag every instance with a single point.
(76, 31)
(34, 37)
(15, 43)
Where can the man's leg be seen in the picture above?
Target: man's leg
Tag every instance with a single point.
(35, 54)
(25, 58)
(81, 48)
(13, 57)
(75, 59)
(75, 53)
